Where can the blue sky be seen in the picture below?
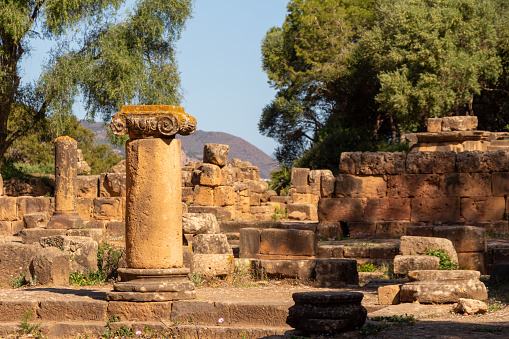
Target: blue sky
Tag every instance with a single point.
(220, 63)
(219, 58)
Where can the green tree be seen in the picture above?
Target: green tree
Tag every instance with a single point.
(110, 56)
(304, 60)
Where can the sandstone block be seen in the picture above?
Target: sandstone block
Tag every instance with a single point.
(470, 306)
(224, 196)
(257, 186)
(213, 265)
(187, 195)
(216, 154)
(229, 175)
(33, 220)
(267, 195)
(220, 212)
(85, 208)
(443, 275)
(203, 196)
(418, 245)
(383, 252)
(298, 198)
(33, 235)
(434, 125)
(381, 209)
(288, 242)
(301, 190)
(442, 209)
(255, 199)
(115, 228)
(112, 185)
(356, 252)
(343, 209)
(406, 263)
(473, 261)
(187, 177)
(249, 242)
(108, 208)
(209, 175)
(392, 229)
(211, 244)
(498, 160)
(118, 168)
(414, 185)
(350, 162)
(15, 261)
(95, 234)
(464, 238)
(279, 199)
(8, 208)
(443, 291)
(359, 187)
(6, 228)
(329, 229)
(33, 205)
(308, 209)
(72, 310)
(372, 163)
(420, 231)
(284, 268)
(500, 183)
(200, 223)
(82, 251)
(473, 162)
(334, 273)
(299, 176)
(389, 295)
(431, 162)
(327, 184)
(395, 162)
(51, 267)
(467, 184)
(88, 186)
(483, 208)
(459, 123)
(140, 311)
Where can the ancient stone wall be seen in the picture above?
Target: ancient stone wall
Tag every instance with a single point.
(384, 193)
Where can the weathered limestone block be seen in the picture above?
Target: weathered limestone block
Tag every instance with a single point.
(383, 252)
(299, 176)
(32, 205)
(51, 267)
(372, 163)
(473, 162)
(299, 198)
(444, 209)
(223, 196)
(107, 208)
(327, 312)
(314, 180)
(381, 209)
(66, 310)
(203, 196)
(288, 242)
(8, 208)
(464, 238)
(222, 213)
(112, 185)
(459, 123)
(255, 199)
(308, 209)
(213, 265)
(483, 208)
(216, 154)
(118, 168)
(208, 175)
(355, 252)
(187, 176)
(395, 162)
(229, 175)
(406, 263)
(279, 199)
(500, 183)
(211, 244)
(334, 273)
(389, 295)
(431, 162)
(6, 228)
(140, 311)
(327, 184)
(393, 229)
(498, 160)
(88, 186)
(85, 208)
(414, 185)
(267, 195)
(285, 268)
(15, 261)
(200, 223)
(443, 286)
(467, 184)
(418, 245)
(434, 125)
(81, 251)
(350, 162)
(115, 228)
(187, 195)
(257, 186)
(249, 242)
(33, 220)
(348, 186)
(470, 306)
(473, 261)
(343, 209)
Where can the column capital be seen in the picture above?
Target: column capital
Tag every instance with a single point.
(152, 121)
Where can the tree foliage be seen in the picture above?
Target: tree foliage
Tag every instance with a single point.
(355, 75)
(110, 56)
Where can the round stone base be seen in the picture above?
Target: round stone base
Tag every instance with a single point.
(152, 285)
(65, 220)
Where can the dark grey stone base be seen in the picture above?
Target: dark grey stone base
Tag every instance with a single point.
(65, 220)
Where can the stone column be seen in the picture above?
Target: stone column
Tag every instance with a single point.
(66, 185)
(153, 204)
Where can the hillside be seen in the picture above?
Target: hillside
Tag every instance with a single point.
(192, 147)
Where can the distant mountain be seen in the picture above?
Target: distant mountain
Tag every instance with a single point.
(192, 147)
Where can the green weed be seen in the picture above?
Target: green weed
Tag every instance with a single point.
(446, 262)
(91, 278)
(196, 279)
(367, 267)
(28, 328)
(397, 319)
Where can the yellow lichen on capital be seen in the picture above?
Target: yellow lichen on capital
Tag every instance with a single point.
(64, 137)
(151, 109)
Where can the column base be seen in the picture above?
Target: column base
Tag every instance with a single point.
(152, 285)
(65, 220)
